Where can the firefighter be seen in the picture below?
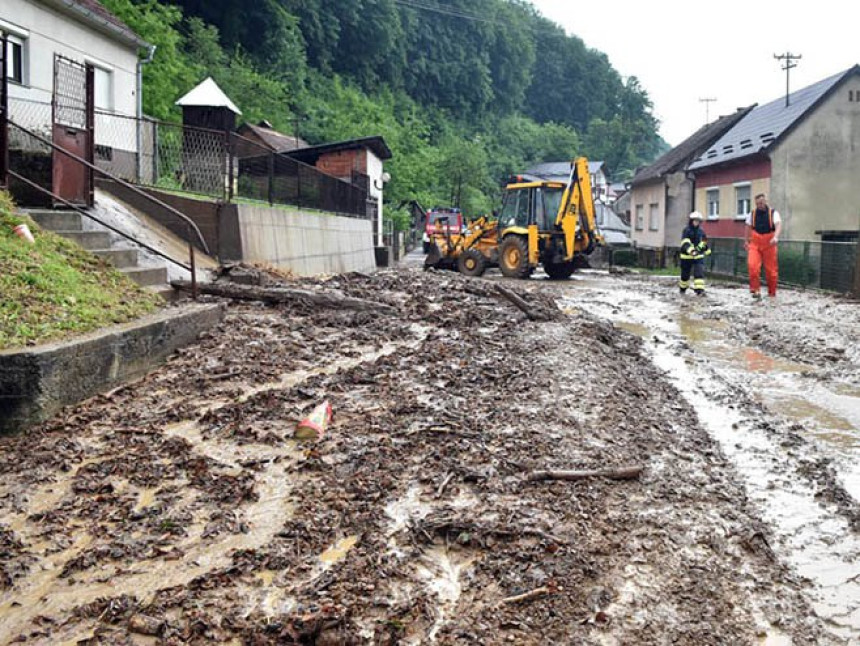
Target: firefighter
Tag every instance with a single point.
(761, 237)
(694, 248)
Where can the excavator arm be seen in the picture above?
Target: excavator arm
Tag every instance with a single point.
(576, 213)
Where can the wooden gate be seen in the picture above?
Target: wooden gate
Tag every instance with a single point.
(73, 119)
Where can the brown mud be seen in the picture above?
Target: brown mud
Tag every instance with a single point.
(179, 510)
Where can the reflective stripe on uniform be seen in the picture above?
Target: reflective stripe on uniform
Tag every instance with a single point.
(699, 283)
(683, 284)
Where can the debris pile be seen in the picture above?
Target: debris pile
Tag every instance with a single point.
(439, 504)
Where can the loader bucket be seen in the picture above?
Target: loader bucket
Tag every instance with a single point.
(436, 260)
(434, 257)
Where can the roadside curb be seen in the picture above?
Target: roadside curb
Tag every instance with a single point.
(37, 382)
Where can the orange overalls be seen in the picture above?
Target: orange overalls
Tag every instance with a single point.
(760, 249)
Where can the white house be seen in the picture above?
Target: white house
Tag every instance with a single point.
(85, 32)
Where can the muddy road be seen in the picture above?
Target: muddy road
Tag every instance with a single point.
(179, 510)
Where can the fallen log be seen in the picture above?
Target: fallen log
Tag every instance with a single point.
(277, 295)
(621, 473)
(534, 313)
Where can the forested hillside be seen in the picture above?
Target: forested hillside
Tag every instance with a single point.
(464, 91)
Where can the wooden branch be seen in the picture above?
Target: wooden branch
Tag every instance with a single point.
(285, 295)
(444, 484)
(527, 309)
(622, 473)
(528, 596)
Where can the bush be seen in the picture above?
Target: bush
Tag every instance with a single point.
(794, 268)
(624, 257)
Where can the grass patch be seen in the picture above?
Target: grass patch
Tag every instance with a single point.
(54, 289)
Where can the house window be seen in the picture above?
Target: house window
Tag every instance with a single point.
(640, 217)
(654, 217)
(103, 88)
(712, 198)
(15, 59)
(742, 198)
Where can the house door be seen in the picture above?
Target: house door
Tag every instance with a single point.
(72, 130)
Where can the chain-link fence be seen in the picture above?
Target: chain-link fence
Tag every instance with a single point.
(821, 265)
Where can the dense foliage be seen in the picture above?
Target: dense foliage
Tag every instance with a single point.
(465, 92)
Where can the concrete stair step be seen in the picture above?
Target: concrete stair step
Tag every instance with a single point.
(120, 258)
(146, 276)
(56, 220)
(89, 240)
(166, 292)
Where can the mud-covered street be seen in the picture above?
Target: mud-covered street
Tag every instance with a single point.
(179, 509)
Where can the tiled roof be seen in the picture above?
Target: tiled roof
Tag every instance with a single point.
(277, 141)
(93, 12)
(766, 124)
(678, 157)
(560, 170)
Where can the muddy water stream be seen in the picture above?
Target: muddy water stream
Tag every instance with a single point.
(47, 593)
(706, 364)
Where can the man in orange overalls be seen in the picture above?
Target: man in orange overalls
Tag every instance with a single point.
(761, 237)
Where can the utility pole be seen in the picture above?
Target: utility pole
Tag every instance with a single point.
(788, 63)
(707, 102)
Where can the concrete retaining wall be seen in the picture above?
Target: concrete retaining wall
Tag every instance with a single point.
(305, 242)
(36, 382)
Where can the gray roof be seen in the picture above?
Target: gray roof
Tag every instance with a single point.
(678, 157)
(765, 125)
(560, 170)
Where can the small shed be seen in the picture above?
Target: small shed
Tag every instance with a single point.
(206, 106)
(208, 116)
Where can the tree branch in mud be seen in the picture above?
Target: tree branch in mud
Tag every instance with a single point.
(534, 313)
(284, 295)
(622, 473)
(531, 594)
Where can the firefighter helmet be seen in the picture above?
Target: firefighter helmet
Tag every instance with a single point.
(695, 215)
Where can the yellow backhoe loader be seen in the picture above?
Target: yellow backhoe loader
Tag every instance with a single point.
(547, 223)
(470, 252)
(541, 223)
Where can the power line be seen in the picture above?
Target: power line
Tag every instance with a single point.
(788, 63)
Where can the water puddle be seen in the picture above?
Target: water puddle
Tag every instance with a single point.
(815, 540)
(338, 551)
(441, 569)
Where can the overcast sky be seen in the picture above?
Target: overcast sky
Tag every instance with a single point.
(684, 51)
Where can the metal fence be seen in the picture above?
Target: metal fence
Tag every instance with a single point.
(276, 178)
(821, 265)
(215, 164)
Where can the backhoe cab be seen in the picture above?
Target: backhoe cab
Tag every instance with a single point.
(547, 223)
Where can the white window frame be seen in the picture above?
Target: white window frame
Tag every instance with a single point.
(743, 212)
(712, 213)
(109, 72)
(654, 216)
(21, 43)
(640, 217)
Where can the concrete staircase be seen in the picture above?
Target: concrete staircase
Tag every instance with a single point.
(69, 224)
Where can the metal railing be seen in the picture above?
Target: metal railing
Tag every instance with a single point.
(211, 163)
(829, 266)
(192, 230)
(277, 178)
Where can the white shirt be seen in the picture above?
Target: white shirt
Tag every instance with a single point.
(776, 218)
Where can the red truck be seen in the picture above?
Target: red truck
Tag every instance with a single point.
(442, 220)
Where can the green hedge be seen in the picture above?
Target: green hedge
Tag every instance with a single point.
(625, 257)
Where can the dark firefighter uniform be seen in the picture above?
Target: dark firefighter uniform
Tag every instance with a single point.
(694, 248)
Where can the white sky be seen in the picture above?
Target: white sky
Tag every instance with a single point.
(684, 51)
